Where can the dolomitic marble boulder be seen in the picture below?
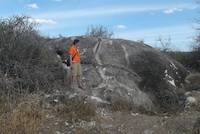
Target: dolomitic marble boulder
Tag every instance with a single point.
(122, 70)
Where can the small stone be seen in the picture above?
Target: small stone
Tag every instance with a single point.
(187, 93)
(148, 132)
(191, 100)
(134, 114)
(66, 123)
(56, 100)
(57, 132)
(165, 117)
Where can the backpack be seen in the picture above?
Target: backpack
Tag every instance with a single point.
(67, 61)
(65, 57)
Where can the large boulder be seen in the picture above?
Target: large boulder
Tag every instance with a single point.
(116, 69)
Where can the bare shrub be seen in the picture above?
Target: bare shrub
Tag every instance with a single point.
(195, 59)
(99, 31)
(164, 44)
(24, 58)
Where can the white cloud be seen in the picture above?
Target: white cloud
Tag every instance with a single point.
(170, 11)
(115, 10)
(33, 6)
(121, 26)
(180, 8)
(43, 21)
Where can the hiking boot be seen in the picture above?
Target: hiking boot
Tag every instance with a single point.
(80, 86)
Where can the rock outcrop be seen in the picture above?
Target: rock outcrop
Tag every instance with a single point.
(116, 69)
(192, 82)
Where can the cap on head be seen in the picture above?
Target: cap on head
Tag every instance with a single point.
(76, 41)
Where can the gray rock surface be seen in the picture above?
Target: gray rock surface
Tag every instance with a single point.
(196, 128)
(115, 69)
(192, 82)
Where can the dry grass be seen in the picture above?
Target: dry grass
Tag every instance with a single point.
(97, 130)
(121, 105)
(26, 118)
(76, 110)
(4, 106)
(125, 106)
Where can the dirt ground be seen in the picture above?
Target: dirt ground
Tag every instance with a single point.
(124, 123)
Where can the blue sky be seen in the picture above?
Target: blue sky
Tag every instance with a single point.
(129, 19)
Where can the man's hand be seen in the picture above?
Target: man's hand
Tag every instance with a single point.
(65, 61)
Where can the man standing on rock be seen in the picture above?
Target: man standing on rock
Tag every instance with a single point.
(75, 66)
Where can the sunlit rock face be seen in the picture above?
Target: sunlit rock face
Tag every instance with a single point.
(122, 70)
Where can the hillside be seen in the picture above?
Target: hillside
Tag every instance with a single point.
(128, 71)
(130, 87)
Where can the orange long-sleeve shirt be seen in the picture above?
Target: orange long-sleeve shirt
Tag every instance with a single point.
(73, 51)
